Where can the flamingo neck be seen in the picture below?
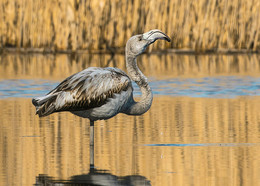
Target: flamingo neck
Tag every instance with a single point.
(138, 108)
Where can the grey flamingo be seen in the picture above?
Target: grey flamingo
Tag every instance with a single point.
(101, 93)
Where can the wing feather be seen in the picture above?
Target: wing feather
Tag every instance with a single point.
(87, 89)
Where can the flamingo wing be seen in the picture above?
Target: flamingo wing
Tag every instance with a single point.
(87, 89)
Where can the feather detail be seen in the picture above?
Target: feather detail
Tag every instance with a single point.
(87, 89)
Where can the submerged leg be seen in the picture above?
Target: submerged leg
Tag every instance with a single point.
(91, 145)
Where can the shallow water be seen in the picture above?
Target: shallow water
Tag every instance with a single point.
(212, 87)
(202, 129)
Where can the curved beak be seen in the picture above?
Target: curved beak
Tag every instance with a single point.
(153, 35)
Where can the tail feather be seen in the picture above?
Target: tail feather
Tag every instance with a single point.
(44, 105)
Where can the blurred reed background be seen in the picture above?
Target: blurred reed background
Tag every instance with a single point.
(73, 25)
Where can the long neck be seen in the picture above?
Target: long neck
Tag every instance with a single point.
(138, 108)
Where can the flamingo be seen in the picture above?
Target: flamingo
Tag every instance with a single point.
(101, 93)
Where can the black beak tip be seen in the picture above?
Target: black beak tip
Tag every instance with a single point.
(167, 38)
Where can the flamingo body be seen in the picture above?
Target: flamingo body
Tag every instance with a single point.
(94, 93)
(101, 93)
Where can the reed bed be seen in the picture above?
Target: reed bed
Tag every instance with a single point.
(73, 25)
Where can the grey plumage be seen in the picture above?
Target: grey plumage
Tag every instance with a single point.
(84, 90)
(101, 93)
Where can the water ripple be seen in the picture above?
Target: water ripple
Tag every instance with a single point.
(203, 144)
(211, 87)
(26, 88)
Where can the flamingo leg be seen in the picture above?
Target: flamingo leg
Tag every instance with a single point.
(91, 145)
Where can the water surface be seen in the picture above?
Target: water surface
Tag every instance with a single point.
(202, 129)
(212, 87)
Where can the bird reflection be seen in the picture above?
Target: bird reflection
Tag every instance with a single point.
(94, 177)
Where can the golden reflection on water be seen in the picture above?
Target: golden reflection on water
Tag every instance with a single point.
(58, 145)
(228, 130)
(59, 66)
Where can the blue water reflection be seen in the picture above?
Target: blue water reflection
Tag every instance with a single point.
(210, 87)
(203, 144)
(25, 88)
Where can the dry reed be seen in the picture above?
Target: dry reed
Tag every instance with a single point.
(62, 25)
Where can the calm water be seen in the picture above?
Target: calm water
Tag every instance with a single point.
(202, 129)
